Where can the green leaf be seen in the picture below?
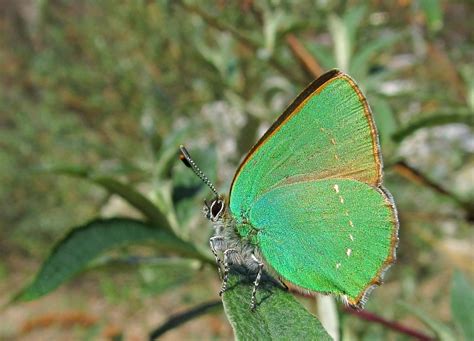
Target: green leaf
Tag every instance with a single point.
(353, 18)
(342, 42)
(278, 316)
(271, 24)
(462, 305)
(134, 198)
(157, 277)
(344, 31)
(433, 14)
(467, 73)
(459, 115)
(442, 332)
(72, 254)
(127, 192)
(361, 60)
(154, 274)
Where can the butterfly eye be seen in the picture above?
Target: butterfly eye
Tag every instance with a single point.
(217, 207)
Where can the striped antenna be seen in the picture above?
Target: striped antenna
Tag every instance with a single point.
(189, 162)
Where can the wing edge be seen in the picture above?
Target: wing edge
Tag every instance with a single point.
(361, 299)
(373, 129)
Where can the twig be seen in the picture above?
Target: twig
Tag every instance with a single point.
(368, 316)
(181, 318)
(309, 63)
(414, 175)
(371, 317)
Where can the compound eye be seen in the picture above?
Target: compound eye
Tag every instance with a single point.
(217, 207)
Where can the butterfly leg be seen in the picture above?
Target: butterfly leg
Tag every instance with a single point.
(227, 261)
(216, 244)
(253, 300)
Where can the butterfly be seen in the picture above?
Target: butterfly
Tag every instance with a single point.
(307, 202)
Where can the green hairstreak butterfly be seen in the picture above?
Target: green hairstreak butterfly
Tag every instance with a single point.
(307, 203)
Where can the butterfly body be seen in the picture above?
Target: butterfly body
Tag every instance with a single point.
(307, 202)
(228, 237)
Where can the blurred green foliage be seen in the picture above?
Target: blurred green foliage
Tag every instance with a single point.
(106, 92)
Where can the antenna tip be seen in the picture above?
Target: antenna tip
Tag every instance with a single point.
(185, 161)
(182, 156)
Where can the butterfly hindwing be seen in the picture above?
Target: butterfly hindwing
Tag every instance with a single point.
(335, 235)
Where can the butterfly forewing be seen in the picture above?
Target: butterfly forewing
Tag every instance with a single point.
(328, 134)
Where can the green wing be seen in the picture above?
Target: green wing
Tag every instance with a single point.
(328, 132)
(334, 236)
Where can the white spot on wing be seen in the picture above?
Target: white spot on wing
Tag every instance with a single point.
(351, 223)
(336, 188)
(338, 265)
(348, 252)
(351, 237)
(341, 199)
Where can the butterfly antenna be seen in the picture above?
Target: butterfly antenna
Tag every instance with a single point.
(189, 162)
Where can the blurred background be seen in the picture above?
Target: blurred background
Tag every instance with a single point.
(112, 88)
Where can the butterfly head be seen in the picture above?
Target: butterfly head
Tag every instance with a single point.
(214, 209)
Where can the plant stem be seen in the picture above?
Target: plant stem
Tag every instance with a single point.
(181, 318)
(415, 176)
(371, 317)
(308, 62)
